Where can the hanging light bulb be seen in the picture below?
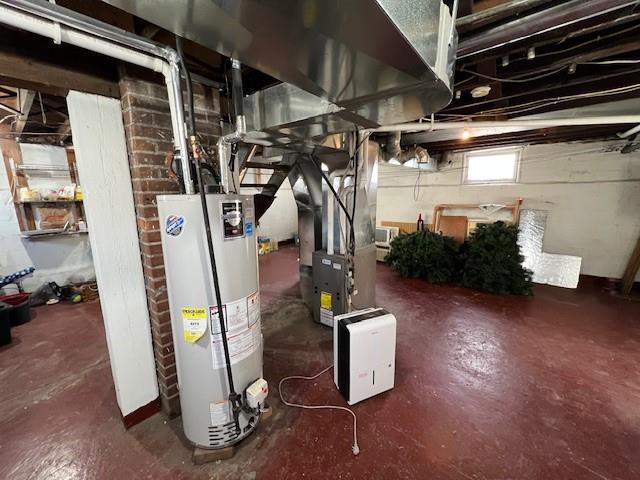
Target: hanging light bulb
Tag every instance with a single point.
(531, 53)
(466, 134)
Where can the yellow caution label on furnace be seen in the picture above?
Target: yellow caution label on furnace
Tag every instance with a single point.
(194, 323)
(325, 300)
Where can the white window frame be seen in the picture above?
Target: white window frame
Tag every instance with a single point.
(493, 151)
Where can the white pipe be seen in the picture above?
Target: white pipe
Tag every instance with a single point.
(169, 69)
(330, 201)
(630, 132)
(558, 122)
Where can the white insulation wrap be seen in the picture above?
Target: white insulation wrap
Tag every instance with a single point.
(547, 268)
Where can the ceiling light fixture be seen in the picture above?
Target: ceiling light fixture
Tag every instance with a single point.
(466, 134)
(481, 91)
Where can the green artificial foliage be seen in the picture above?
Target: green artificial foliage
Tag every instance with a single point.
(493, 261)
(426, 255)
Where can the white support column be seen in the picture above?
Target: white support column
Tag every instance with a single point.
(103, 167)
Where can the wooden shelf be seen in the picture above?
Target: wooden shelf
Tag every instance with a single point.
(47, 233)
(41, 168)
(25, 202)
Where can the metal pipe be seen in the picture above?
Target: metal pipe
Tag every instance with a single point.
(64, 25)
(227, 174)
(494, 14)
(630, 132)
(559, 122)
(547, 20)
(238, 97)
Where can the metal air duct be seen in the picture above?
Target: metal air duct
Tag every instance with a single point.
(359, 63)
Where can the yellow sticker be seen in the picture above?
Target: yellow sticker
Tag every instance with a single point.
(194, 323)
(325, 300)
(194, 313)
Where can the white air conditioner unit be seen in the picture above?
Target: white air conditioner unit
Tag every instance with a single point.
(384, 235)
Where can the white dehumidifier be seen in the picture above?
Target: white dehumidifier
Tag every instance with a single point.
(364, 353)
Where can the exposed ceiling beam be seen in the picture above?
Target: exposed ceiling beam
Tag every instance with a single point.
(21, 71)
(26, 101)
(543, 135)
(558, 18)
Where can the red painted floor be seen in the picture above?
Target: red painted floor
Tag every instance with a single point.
(488, 387)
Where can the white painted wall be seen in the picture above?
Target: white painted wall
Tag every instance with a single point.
(280, 222)
(59, 259)
(592, 193)
(101, 154)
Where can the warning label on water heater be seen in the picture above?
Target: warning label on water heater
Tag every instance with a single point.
(220, 413)
(194, 323)
(242, 328)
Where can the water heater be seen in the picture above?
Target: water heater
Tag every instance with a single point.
(207, 414)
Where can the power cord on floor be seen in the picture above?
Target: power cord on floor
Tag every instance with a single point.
(354, 448)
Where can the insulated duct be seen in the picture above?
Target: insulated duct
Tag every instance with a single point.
(393, 153)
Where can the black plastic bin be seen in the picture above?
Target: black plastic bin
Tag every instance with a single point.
(5, 324)
(21, 311)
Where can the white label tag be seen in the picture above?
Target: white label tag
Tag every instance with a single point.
(242, 322)
(253, 308)
(220, 413)
(326, 317)
(235, 317)
(240, 345)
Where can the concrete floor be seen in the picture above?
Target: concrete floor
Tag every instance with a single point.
(487, 387)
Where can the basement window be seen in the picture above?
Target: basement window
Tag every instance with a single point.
(492, 166)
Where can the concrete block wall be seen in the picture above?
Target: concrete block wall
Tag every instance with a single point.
(149, 141)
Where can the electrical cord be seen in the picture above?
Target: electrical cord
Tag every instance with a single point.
(514, 80)
(611, 62)
(335, 194)
(232, 163)
(354, 448)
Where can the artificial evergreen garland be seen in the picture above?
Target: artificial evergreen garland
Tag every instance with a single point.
(426, 255)
(493, 261)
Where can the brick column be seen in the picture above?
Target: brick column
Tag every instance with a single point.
(147, 125)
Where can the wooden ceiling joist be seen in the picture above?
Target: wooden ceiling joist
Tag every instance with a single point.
(24, 72)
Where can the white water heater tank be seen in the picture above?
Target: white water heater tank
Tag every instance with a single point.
(202, 379)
